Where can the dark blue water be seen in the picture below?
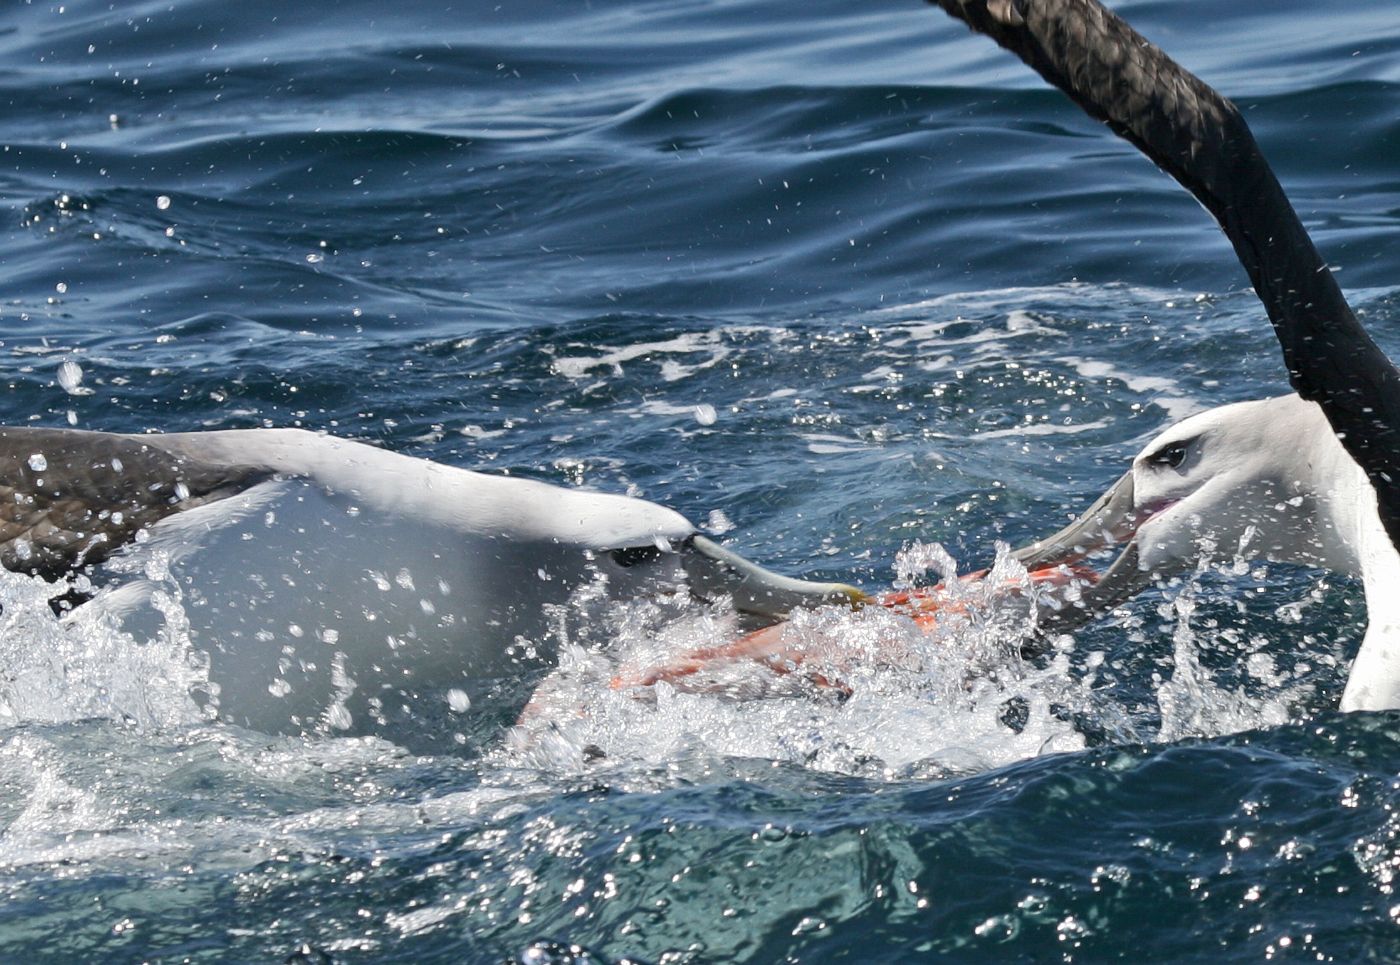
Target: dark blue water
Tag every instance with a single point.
(927, 300)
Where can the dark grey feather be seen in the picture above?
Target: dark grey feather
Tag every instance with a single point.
(1199, 138)
(69, 498)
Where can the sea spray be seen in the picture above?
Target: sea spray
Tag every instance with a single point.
(83, 665)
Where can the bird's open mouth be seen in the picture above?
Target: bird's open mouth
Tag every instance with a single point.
(1112, 519)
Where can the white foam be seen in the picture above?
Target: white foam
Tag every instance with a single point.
(1165, 393)
(85, 667)
(914, 696)
(708, 344)
(943, 701)
(826, 444)
(1027, 429)
(939, 700)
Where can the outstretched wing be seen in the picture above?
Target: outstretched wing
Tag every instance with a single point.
(1199, 138)
(70, 498)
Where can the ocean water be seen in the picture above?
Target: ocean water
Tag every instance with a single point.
(841, 283)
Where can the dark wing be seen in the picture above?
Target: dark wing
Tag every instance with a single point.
(69, 498)
(1199, 138)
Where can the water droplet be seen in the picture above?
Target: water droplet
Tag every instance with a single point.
(70, 377)
(719, 523)
(163, 202)
(458, 700)
(339, 718)
(61, 287)
(38, 463)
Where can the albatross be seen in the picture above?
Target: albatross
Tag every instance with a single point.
(1312, 477)
(329, 583)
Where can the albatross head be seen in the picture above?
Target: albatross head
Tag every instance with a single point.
(1235, 480)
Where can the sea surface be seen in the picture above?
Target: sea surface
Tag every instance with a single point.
(840, 282)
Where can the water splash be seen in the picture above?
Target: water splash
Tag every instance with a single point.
(82, 666)
(954, 697)
(875, 692)
(1192, 702)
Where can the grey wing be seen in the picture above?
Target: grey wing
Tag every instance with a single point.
(1200, 139)
(69, 498)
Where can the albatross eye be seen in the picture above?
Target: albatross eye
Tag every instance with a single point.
(1172, 455)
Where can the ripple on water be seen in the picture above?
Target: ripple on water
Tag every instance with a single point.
(842, 284)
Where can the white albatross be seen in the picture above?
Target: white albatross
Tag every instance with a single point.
(1317, 475)
(1262, 478)
(332, 582)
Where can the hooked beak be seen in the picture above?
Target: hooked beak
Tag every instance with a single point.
(1113, 518)
(713, 571)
